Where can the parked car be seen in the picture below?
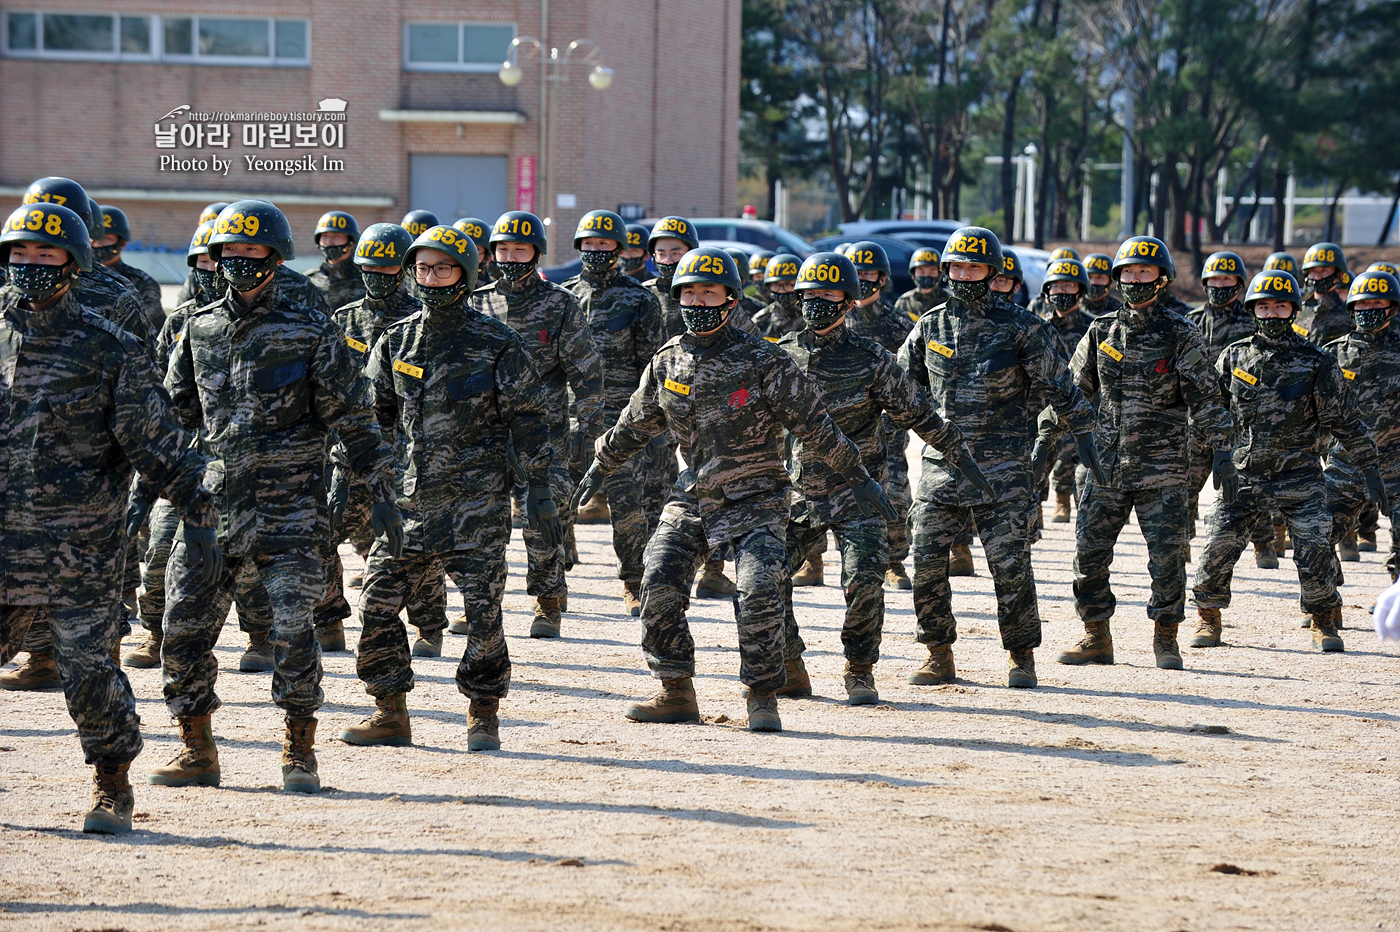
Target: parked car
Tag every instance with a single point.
(866, 228)
(899, 251)
(755, 234)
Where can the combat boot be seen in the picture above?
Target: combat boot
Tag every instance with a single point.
(713, 583)
(428, 644)
(38, 673)
(1264, 557)
(632, 598)
(1282, 542)
(763, 712)
(299, 756)
(1061, 513)
(812, 572)
(595, 512)
(145, 655)
(1164, 646)
(197, 762)
(860, 684)
(1346, 550)
(258, 657)
(331, 636)
(673, 705)
(459, 624)
(1020, 669)
(937, 669)
(388, 725)
(1366, 541)
(960, 561)
(112, 800)
(799, 684)
(1324, 631)
(1208, 629)
(547, 621)
(484, 725)
(1096, 647)
(896, 578)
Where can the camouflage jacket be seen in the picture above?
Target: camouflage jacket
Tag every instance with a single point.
(1323, 319)
(1147, 371)
(1067, 330)
(775, 320)
(1287, 395)
(627, 330)
(110, 297)
(988, 370)
(1221, 326)
(913, 303)
(881, 323)
(83, 408)
(171, 332)
(726, 399)
(671, 322)
(859, 380)
(293, 285)
(364, 321)
(147, 291)
(557, 339)
(339, 283)
(1170, 302)
(268, 384)
(456, 386)
(1105, 305)
(1370, 364)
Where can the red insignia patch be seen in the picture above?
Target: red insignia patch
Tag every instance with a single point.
(544, 336)
(740, 398)
(1162, 367)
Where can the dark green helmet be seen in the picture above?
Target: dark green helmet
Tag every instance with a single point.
(740, 257)
(1066, 270)
(252, 221)
(199, 243)
(212, 211)
(1224, 263)
(924, 255)
(383, 246)
(673, 228)
(601, 224)
(1383, 267)
(829, 271)
(637, 234)
(758, 261)
(1373, 285)
(336, 221)
(1345, 282)
(458, 247)
(1276, 284)
(708, 265)
(478, 230)
(867, 256)
(973, 244)
(1098, 263)
(1143, 250)
(417, 222)
(66, 192)
(114, 223)
(1321, 255)
(1281, 262)
(50, 223)
(781, 268)
(1011, 265)
(519, 226)
(1064, 252)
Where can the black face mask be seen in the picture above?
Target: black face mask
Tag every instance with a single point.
(516, 271)
(701, 319)
(333, 253)
(1062, 303)
(379, 285)
(1140, 292)
(971, 293)
(1274, 328)
(868, 288)
(634, 265)
(207, 283)
(925, 282)
(1372, 319)
(1320, 286)
(598, 262)
(821, 313)
(104, 254)
(788, 302)
(39, 282)
(437, 296)
(1219, 297)
(1097, 292)
(665, 270)
(245, 273)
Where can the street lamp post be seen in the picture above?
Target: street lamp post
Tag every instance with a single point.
(552, 69)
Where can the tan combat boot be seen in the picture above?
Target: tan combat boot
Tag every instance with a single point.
(812, 572)
(388, 725)
(595, 512)
(713, 583)
(1020, 669)
(799, 684)
(1061, 513)
(1282, 542)
(960, 561)
(197, 763)
(331, 636)
(937, 669)
(299, 756)
(1346, 550)
(763, 712)
(458, 624)
(428, 644)
(896, 578)
(258, 656)
(1264, 557)
(860, 684)
(1208, 629)
(674, 704)
(145, 655)
(1164, 646)
(1366, 541)
(38, 673)
(1096, 647)
(632, 598)
(112, 800)
(484, 725)
(547, 619)
(1324, 631)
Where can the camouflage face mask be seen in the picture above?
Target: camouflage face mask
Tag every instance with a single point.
(379, 285)
(971, 293)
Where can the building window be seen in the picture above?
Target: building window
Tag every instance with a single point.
(196, 39)
(456, 46)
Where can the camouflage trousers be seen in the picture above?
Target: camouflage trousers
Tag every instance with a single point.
(626, 490)
(249, 598)
(96, 690)
(1347, 499)
(39, 638)
(382, 660)
(1064, 459)
(863, 542)
(1198, 474)
(1004, 528)
(660, 472)
(195, 613)
(1103, 512)
(544, 568)
(1302, 497)
(673, 555)
(896, 486)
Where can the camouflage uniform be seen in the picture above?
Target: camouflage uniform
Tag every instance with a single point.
(861, 383)
(268, 383)
(774, 320)
(456, 386)
(1323, 318)
(1068, 330)
(340, 283)
(1286, 395)
(627, 330)
(726, 397)
(913, 303)
(671, 323)
(147, 289)
(1370, 363)
(293, 285)
(84, 408)
(985, 369)
(557, 339)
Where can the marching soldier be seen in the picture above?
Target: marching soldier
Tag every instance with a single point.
(187, 290)
(1324, 316)
(757, 270)
(928, 290)
(1097, 301)
(337, 278)
(634, 257)
(418, 222)
(1010, 282)
(1062, 301)
(108, 252)
(671, 238)
(479, 231)
(784, 314)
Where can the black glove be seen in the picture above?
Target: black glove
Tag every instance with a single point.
(1089, 456)
(660, 446)
(577, 444)
(973, 473)
(137, 511)
(588, 486)
(386, 521)
(1375, 487)
(1227, 477)
(871, 498)
(1040, 455)
(202, 550)
(339, 495)
(543, 516)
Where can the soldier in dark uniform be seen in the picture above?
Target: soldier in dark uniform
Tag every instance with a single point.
(1062, 299)
(671, 238)
(784, 314)
(928, 291)
(758, 268)
(107, 251)
(479, 232)
(337, 278)
(1097, 301)
(187, 290)
(1324, 316)
(634, 257)
(418, 222)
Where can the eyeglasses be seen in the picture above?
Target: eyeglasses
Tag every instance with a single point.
(441, 270)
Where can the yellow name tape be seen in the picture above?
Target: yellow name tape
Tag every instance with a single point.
(940, 349)
(1110, 351)
(677, 387)
(914, 317)
(769, 339)
(406, 369)
(1301, 331)
(1349, 374)
(1245, 377)
(356, 345)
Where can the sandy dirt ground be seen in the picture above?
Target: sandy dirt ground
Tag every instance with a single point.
(1255, 790)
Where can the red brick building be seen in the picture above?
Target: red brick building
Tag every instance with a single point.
(160, 106)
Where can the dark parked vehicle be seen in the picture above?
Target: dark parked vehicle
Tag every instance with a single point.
(899, 251)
